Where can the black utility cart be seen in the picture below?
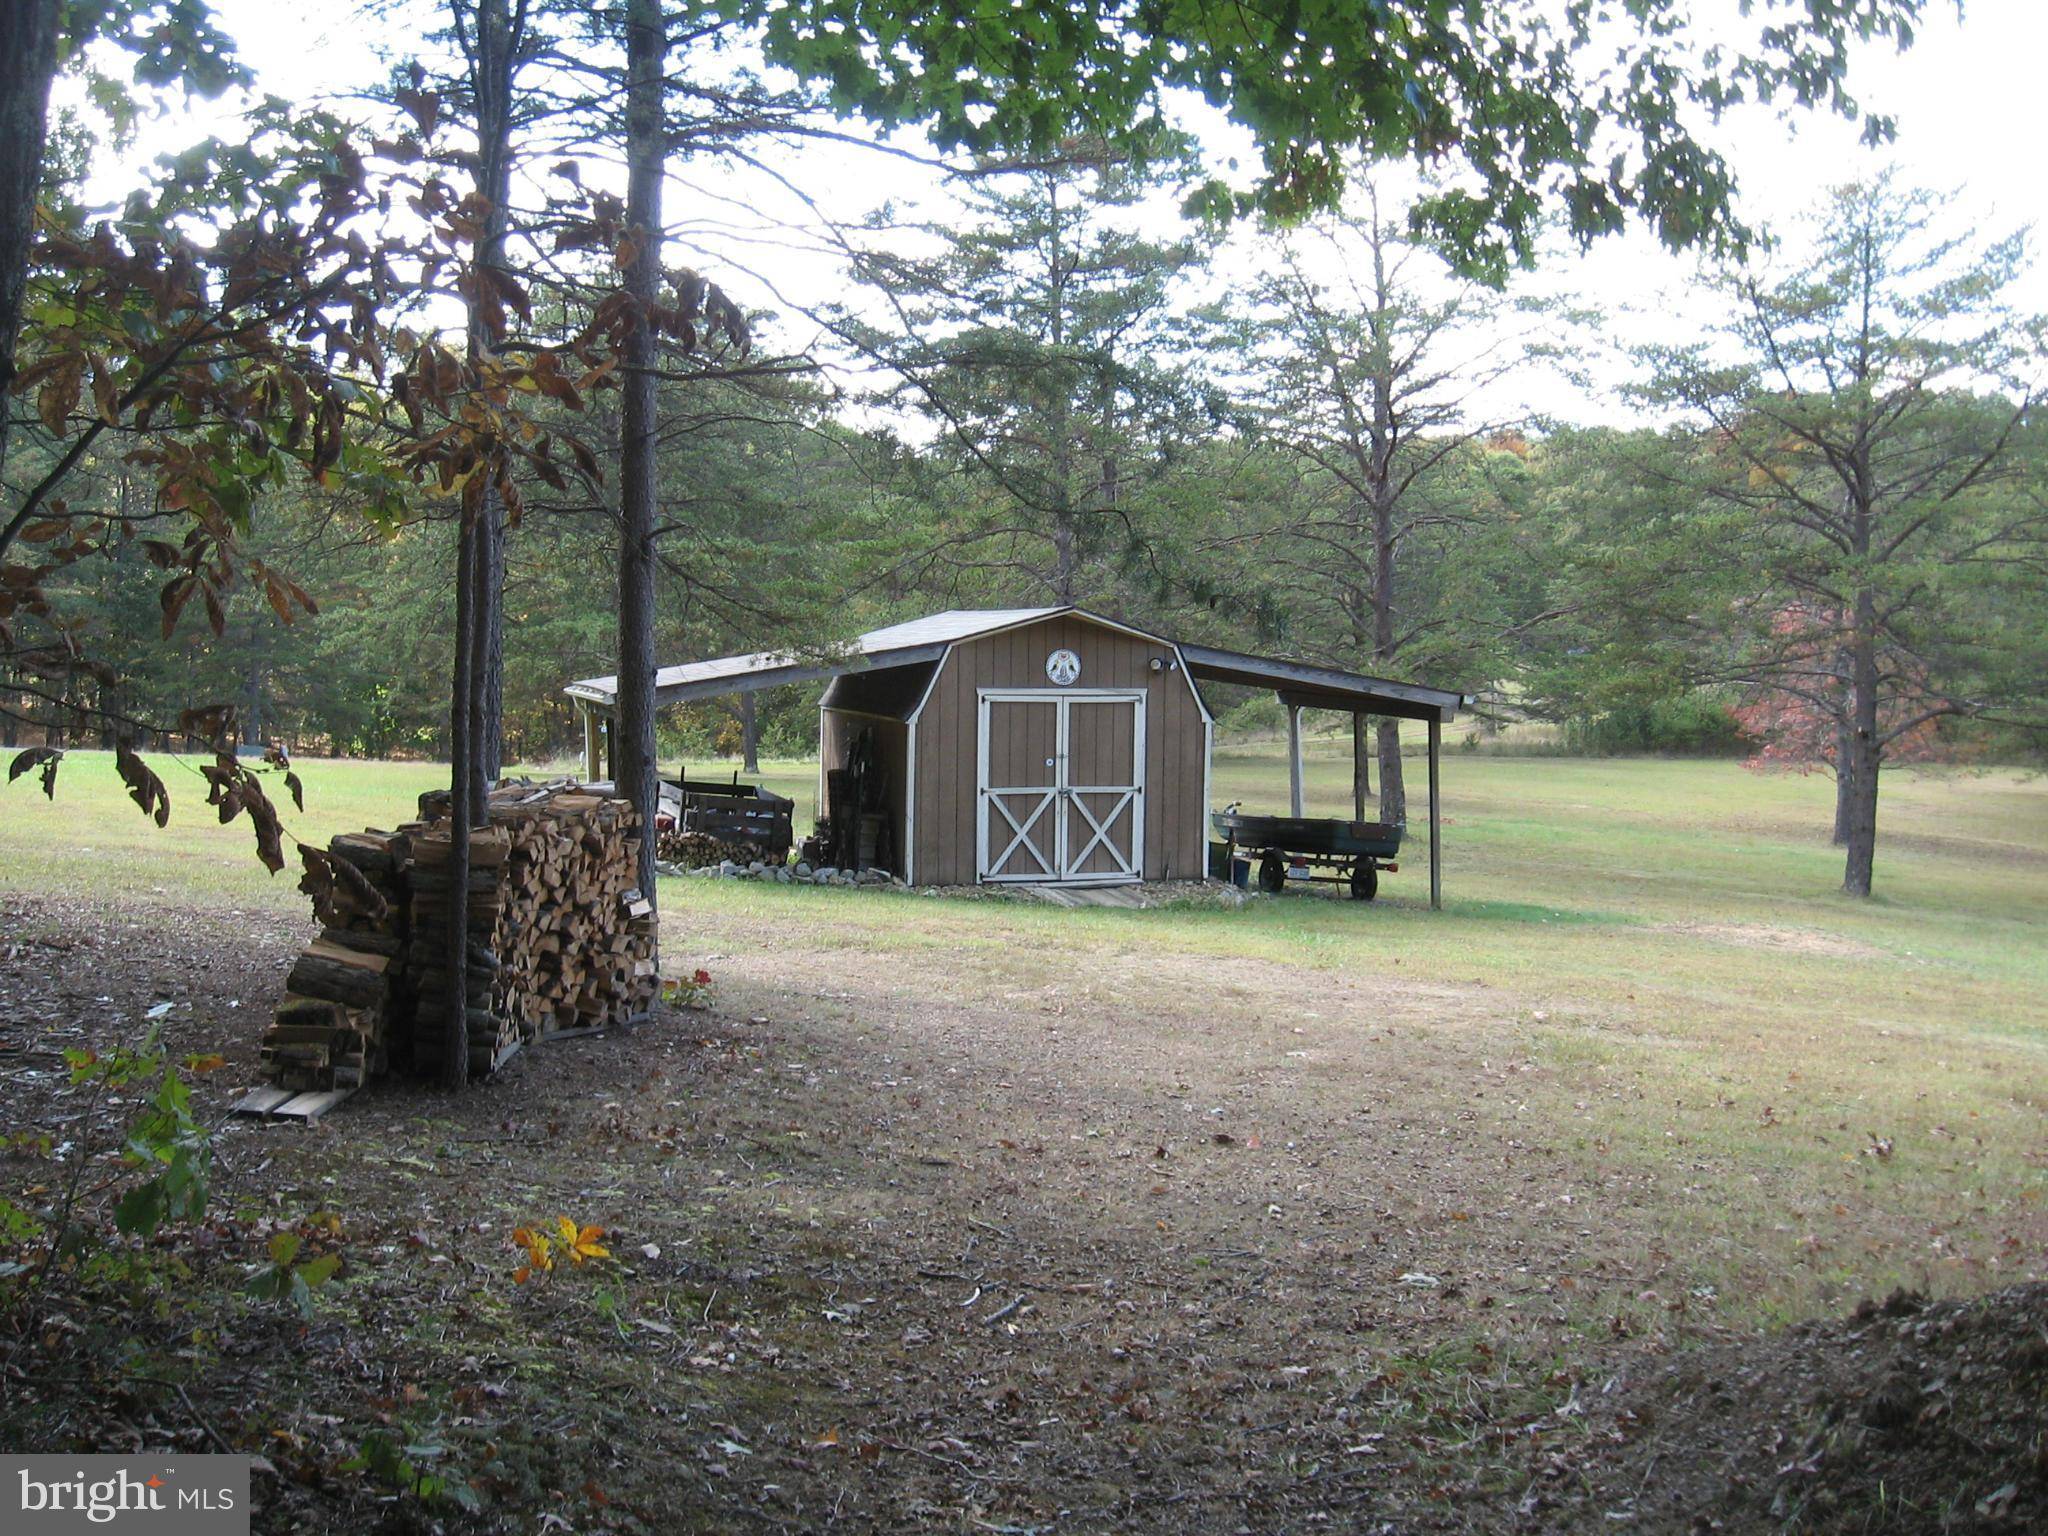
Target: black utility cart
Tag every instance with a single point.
(748, 814)
(1356, 850)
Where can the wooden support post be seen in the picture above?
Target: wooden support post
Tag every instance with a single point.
(1360, 782)
(611, 749)
(1294, 785)
(1436, 840)
(589, 717)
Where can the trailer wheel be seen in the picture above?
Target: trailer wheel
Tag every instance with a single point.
(1365, 882)
(1272, 875)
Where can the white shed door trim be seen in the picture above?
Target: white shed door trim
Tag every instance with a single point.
(1049, 829)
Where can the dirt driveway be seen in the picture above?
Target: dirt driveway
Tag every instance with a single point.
(1101, 1239)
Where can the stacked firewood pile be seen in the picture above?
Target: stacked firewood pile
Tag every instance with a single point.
(695, 850)
(559, 938)
(333, 1029)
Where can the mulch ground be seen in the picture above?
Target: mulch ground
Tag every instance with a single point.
(1906, 1416)
(954, 1256)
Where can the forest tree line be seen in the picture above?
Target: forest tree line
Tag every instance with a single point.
(1304, 469)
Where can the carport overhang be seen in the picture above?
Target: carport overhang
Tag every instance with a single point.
(743, 674)
(597, 698)
(1304, 685)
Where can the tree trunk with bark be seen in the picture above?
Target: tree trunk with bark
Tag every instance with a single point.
(750, 735)
(488, 719)
(1865, 750)
(28, 63)
(494, 46)
(461, 807)
(1393, 788)
(1844, 705)
(1361, 769)
(472, 727)
(1385, 381)
(646, 53)
(252, 704)
(1862, 746)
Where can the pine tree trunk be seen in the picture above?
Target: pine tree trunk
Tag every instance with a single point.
(28, 63)
(1864, 753)
(472, 728)
(1065, 556)
(1361, 769)
(750, 735)
(1393, 790)
(481, 599)
(496, 47)
(461, 706)
(1845, 711)
(1066, 542)
(252, 706)
(489, 726)
(646, 52)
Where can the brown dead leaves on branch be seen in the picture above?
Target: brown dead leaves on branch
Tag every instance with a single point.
(489, 408)
(698, 314)
(219, 371)
(32, 758)
(274, 354)
(233, 786)
(144, 787)
(234, 790)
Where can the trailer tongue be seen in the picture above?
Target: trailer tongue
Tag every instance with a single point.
(1356, 850)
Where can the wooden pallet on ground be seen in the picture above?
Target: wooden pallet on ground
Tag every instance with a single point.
(290, 1103)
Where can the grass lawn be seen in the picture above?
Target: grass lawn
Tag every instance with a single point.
(1057, 1214)
(1663, 942)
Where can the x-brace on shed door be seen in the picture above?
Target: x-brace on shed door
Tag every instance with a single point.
(1061, 785)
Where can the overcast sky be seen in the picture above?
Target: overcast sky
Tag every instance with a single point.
(1967, 98)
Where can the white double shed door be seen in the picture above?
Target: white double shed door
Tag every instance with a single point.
(1062, 785)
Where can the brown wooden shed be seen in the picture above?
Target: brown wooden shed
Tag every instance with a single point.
(1041, 745)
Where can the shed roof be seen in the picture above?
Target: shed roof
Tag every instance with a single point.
(927, 639)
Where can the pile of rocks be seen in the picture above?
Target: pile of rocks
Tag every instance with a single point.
(799, 873)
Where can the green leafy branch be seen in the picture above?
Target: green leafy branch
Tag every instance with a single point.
(283, 1280)
(403, 1465)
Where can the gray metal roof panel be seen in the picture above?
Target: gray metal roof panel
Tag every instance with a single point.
(767, 669)
(954, 624)
(1330, 687)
